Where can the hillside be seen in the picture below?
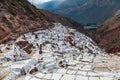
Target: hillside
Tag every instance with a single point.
(108, 34)
(18, 17)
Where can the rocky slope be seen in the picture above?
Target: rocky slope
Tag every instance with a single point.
(108, 34)
(19, 16)
(58, 53)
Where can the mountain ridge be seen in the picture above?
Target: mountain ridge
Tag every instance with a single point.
(93, 11)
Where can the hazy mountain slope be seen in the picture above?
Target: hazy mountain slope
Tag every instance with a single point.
(19, 16)
(50, 5)
(108, 34)
(93, 11)
(69, 4)
(56, 5)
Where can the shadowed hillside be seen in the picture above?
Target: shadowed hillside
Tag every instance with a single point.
(108, 34)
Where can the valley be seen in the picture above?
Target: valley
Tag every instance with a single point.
(36, 44)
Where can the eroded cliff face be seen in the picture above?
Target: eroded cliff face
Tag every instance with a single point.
(108, 34)
(17, 17)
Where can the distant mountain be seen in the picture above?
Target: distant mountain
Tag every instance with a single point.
(67, 4)
(93, 11)
(84, 11)
(50, 5)
(56, 5)
(108, 34)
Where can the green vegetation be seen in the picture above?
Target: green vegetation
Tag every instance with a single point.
(90, 27)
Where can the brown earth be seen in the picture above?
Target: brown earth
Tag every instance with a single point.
(17, 17)
(108, 34)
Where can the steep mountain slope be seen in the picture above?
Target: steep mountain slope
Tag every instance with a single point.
(93, 11)
(108, 34)
(19, 16)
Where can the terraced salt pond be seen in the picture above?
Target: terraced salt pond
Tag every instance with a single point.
(58, 53)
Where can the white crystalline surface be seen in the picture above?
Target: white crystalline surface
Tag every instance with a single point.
(58, 53)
